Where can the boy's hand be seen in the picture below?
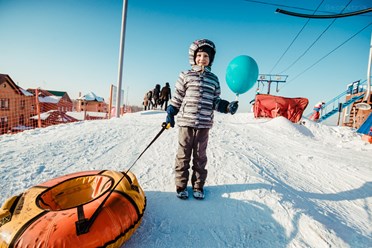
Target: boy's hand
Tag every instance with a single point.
(232, 107)
(169, 121)
(171, 112)
(165, 125)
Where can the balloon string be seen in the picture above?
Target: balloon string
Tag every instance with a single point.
(237, 97)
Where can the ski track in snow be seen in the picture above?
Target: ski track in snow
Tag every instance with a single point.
(271, 183)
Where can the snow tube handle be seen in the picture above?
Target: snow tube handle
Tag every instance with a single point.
(8, 208)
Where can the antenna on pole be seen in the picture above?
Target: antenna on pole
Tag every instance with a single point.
(121, 58)
(271, 78)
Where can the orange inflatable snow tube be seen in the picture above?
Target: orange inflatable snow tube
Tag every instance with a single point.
(82, 209)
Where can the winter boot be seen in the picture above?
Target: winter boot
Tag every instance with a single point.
(182, 193)
(198, 194)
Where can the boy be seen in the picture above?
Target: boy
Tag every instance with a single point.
(196, 96)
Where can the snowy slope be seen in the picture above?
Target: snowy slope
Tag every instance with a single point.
(271, 183)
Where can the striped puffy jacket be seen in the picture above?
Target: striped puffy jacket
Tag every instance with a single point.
(196, 95)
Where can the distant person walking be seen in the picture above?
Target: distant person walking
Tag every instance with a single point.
(156, 96)
(165, 95)
(149, 97)
(145, 102)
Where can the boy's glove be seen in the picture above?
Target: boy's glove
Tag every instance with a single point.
(171, 112)
(232, 107)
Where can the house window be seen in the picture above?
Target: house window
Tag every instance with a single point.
(3, 122)
(22, 120)
(23, 104)
(4, 104)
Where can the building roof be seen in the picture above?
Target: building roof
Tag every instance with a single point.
(51, 96)
(91, 97)
(55, 115)
(57, 93)
(17, 89)
(50, 99)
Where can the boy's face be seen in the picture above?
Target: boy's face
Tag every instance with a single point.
(202, 59)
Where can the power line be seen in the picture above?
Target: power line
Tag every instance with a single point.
(343, 43)
(316, 40)
(281, 5)
(295, 38)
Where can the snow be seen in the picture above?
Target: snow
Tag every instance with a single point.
(271, 183)
(25, 92)
(50, 99)
(80, 115)
(43, 116)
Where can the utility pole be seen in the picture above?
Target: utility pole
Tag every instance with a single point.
(121, 57)
(368, 93)
(271, 78)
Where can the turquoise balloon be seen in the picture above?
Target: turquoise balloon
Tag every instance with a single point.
(241, 74)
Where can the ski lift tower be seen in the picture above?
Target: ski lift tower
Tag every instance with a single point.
(269, 79)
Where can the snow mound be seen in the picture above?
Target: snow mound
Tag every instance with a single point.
(337, 136)
(283, 126)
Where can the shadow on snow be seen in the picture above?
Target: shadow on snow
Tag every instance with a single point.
(220, 221)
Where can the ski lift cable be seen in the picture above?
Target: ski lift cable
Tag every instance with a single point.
(295, 38)
(343, 43)
(303, 54)
(359, 12)
(315, 41)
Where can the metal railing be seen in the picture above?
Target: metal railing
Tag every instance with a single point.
(331, 107)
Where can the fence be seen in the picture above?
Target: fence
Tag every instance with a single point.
(36, 108)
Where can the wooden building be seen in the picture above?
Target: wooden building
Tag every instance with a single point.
(53, 100)
(92, 103)
(358, 112)
(16, 106)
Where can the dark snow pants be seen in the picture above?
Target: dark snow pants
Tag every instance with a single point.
(191, 141)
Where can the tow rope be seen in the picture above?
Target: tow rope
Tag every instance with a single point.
(83, 224)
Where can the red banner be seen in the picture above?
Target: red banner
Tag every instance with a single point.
(273, 106)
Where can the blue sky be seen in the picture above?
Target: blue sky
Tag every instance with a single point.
(73, 46)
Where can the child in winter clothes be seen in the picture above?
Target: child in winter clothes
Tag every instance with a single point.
(316, 114)
(196, 96)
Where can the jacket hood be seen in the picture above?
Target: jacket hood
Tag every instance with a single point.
(196, 45)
